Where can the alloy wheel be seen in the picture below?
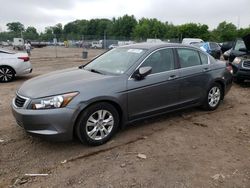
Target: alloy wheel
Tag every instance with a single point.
(214, 96)
(99, 125)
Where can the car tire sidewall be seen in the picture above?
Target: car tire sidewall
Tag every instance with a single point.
(206, 104)
(84, 116)
(12, 72)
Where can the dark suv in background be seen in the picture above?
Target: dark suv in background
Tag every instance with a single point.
(227, 46)
(239, 58)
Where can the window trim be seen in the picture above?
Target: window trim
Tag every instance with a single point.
(208, 60)
(198, 51)
(162, 48)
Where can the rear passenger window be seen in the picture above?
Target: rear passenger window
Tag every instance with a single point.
(188, 58)
(213, 45)
(204, 59)
(160, 61)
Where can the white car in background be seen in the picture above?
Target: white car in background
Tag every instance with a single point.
(13, 64)
(190, 41)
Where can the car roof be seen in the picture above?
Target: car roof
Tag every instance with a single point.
(152, 46)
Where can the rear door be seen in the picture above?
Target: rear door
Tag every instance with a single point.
(157, 91)
(194, 73)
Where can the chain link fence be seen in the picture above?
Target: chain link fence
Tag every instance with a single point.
(59, 44)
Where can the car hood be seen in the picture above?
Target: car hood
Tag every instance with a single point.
(60, 82)
(246, 40)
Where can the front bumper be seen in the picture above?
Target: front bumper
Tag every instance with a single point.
(53, 124)
(240, 72)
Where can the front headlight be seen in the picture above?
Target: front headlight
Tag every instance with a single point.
(237, 60)
(58, 101)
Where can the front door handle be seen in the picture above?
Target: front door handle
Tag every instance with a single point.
(172, 77)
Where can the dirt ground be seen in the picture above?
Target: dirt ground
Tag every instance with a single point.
(185, 149)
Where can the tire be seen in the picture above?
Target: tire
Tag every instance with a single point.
(213, 97)
(7, 74)
(97, 124)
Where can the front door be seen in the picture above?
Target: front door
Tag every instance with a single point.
(159, 90)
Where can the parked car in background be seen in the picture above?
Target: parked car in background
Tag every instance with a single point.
(210, 47)
(13, 64)
(191, 40)
(113, 46)
(36, 44)
(226, 54)
(18, 44)
(240, 59)
(97, 44)
(226, 46)
(3, 43)
(121, 86)
(154, 41)
(85, 44)
(238, 49)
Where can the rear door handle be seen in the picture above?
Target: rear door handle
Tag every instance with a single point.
(172, 77)
(206, 69)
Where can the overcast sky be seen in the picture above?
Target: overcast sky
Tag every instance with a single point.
(50, 12)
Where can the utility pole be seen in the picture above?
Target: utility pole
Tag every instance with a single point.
(104, 40)
(55, 41)
(238, 22)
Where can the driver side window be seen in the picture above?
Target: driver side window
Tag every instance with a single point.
(160, 61)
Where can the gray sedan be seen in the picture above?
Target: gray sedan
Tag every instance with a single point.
(120, 86)
(13, 64)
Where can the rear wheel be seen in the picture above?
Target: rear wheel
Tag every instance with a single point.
(97, 124)
(213, 97)
(7, 74)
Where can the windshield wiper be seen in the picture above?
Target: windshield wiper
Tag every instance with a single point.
(95, 71)
(91, 70)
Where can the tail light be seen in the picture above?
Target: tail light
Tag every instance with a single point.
(24, 58)
(229, 68)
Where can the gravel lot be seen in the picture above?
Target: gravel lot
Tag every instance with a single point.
(185, 149)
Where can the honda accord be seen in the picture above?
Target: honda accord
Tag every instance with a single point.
(120, 86)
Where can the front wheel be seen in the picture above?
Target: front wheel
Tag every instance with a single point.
(97, 124)
(213, 97)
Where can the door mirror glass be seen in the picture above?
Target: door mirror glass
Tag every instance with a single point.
(142, 72)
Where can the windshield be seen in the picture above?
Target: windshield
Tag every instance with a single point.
(116, 61)
(239, 44)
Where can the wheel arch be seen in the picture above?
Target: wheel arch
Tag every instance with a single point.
(8, 67)
(222, 84)
(84, 107)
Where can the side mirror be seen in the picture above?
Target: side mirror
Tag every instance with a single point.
(142, 72)
(243, 50)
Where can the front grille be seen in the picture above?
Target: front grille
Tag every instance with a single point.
(246, 64)
(19, 101)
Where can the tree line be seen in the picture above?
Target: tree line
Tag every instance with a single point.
(124, 28)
